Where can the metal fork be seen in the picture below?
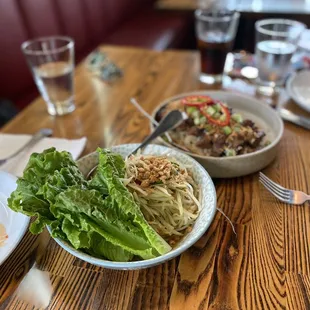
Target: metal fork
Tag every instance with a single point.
(286, 195)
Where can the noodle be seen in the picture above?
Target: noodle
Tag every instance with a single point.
(166, 193)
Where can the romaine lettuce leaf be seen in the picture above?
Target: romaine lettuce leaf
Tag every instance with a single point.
(98, 183)
(61, 180)
(41, 165)
(25, 200)
(29, 198)
(111, 167)
(100, 247)
(98, 216)
(85, 213)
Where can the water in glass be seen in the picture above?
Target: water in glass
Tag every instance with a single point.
(276, 42)
(51, 60)
(55, 82)
(273, 61)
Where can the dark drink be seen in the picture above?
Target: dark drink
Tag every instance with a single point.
(213, 55)
(215, 31)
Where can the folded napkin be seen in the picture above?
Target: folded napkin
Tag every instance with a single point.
(10, 143)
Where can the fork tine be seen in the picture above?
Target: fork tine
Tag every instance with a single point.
(267, 186)
(274, 183)
(283, 199)
(279, 191)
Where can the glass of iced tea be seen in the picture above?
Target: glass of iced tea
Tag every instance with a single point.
(51, 61)
(215, 31)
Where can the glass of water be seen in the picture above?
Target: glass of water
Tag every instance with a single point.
(51, 61)
(276, 42)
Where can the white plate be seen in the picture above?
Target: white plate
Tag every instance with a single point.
(15, 223)
(298, 88)
(264, 116)
(204, 220)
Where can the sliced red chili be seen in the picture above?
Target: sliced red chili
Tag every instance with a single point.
(218, 121)
(197, 101)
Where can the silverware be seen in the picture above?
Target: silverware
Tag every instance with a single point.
(294, 118)
(155, 123)
(45, 132)
(173, 119)
(286, 195)
(147, 115)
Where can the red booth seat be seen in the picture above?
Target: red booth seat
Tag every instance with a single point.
(90, 23)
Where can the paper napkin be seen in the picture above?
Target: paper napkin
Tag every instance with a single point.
(9, 143)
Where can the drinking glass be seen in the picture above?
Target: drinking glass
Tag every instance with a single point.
(276, 42)
(51, 61)
(215, 31)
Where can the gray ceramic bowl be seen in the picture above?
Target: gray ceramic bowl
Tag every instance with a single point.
(208, 204)
(263, 115)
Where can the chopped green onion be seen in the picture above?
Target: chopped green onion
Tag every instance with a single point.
(217, 115)
(190, 110)
(217, 107)
(158, 182)
(236, 129)
(208, 127)
(196, 113)
(227, 130)
(237, 118)
(196, 121)
(267, 142)
(223, 117)
(210, 111)
(230, 152)
(203, 120)
(165, 138)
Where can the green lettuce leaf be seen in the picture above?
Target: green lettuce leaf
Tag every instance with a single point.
(100, 247)
(29, 198)
(61, 180)
(98, 183)
(86, 215)
(41, 165)
(25, 200)
(98, 216)
(111, 167)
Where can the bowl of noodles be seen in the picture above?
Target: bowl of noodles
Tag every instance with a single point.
(174, 193)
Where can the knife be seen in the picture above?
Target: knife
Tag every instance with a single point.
(295, 118)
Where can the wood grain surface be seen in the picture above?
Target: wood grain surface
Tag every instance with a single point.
(265, 265)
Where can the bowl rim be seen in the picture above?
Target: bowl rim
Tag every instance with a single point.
(273, 144)
(148, 262)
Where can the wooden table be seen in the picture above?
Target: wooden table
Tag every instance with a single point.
(266, 265)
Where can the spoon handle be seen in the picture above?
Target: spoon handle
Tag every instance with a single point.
(170, 121)
(147, 115)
